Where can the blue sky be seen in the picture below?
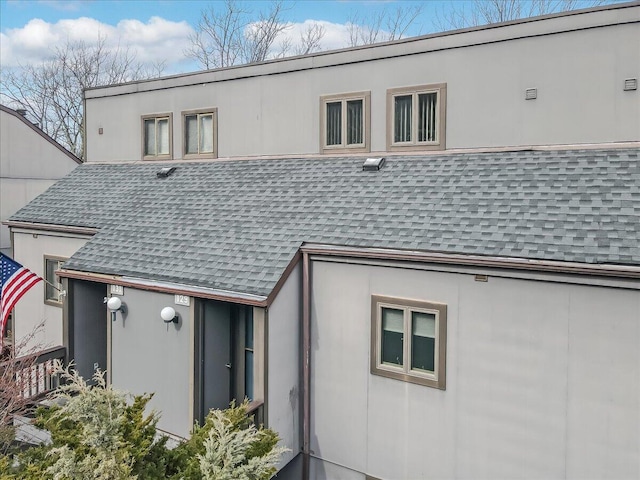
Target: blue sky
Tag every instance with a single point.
(16, 13)
(158, 30)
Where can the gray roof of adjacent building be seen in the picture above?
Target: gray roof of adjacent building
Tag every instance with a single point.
(235, 225)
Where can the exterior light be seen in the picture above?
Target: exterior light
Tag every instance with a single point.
(115, 305)
(168, 315)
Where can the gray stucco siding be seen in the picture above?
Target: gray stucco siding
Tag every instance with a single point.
(150, 356)
(543, 379)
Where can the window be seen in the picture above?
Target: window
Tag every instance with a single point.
(52, 284)
(408, 340)
(156, 134)
(200, 133)
(344, 121)
(416, 117)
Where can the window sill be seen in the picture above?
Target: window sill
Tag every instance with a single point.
(429, 381)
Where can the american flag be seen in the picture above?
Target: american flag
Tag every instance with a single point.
(15, 281)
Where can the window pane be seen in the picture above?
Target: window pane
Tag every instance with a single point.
(191, 133)
(248, 374)
(248, 332)
(51, 292)
(150, 136)
(392, 336)
(334, 123)
(206, 133)
(427, 103)
(423, 341)
(354, 122)
(402, 118)
(163, 136)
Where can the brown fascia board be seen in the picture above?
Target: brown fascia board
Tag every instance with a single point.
(166, 287)
(50, 227)
(526, 264)
(41, 133)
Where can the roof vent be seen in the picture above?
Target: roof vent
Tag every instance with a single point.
(531, 94)
(165, 172)
(630, 84)
(373, 164)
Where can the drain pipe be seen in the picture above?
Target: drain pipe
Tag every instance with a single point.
(306, 367)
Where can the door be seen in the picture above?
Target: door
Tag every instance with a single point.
(88, 319)
(215, 356)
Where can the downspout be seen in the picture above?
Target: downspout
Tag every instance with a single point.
(306, 367)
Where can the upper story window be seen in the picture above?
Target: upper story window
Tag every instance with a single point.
(52, 284)
(408, 340)
(416, 117)
(157, 134)
(344, 122)
(200, 133)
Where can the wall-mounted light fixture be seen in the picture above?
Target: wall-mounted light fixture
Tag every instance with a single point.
(169, 315)
(115, 305)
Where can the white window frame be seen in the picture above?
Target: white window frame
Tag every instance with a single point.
(56, 302)
(437, 379)
(440, 89)
(198, 113)
(344, 147)
(156, 117)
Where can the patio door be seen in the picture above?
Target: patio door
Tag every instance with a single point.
(88, 327)
(215, 354)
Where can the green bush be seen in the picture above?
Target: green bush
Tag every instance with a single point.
(99, 433)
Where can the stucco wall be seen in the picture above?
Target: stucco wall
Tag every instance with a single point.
(543, 380)
(30, 249)
(150, 356)
(283, 365)
(29, 164)
(273, 109)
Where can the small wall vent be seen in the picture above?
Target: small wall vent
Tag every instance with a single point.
(630, 84)
(531, 94)
(165, 172)
(373, 164)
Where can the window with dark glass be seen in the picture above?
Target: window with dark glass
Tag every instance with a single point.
(200, 133)
(408, 340)
(156, 131)
(416, 117)
(344, 120)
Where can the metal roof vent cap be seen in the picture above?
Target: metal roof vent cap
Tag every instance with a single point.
(165, 172)
(373, 164)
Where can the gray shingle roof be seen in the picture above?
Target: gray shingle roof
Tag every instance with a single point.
(235, 225)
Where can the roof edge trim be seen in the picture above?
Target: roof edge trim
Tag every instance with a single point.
(548, 266)
(50, 227)
(167, 287)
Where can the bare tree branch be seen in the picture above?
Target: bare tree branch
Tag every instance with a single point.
(310, 38)
(482, 12)
(228, 34)
(52, 91)
(381, 26)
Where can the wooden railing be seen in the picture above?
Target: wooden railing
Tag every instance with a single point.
(256, 410)
(35, 374)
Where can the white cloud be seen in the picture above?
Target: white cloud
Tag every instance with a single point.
(156, 41)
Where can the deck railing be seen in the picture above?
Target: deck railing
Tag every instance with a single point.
(256, 410)
(35, 374)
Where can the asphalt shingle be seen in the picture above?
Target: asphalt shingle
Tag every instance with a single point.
(235, 225)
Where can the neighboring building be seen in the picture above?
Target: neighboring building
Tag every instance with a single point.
(469, 308)
(30, 162)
